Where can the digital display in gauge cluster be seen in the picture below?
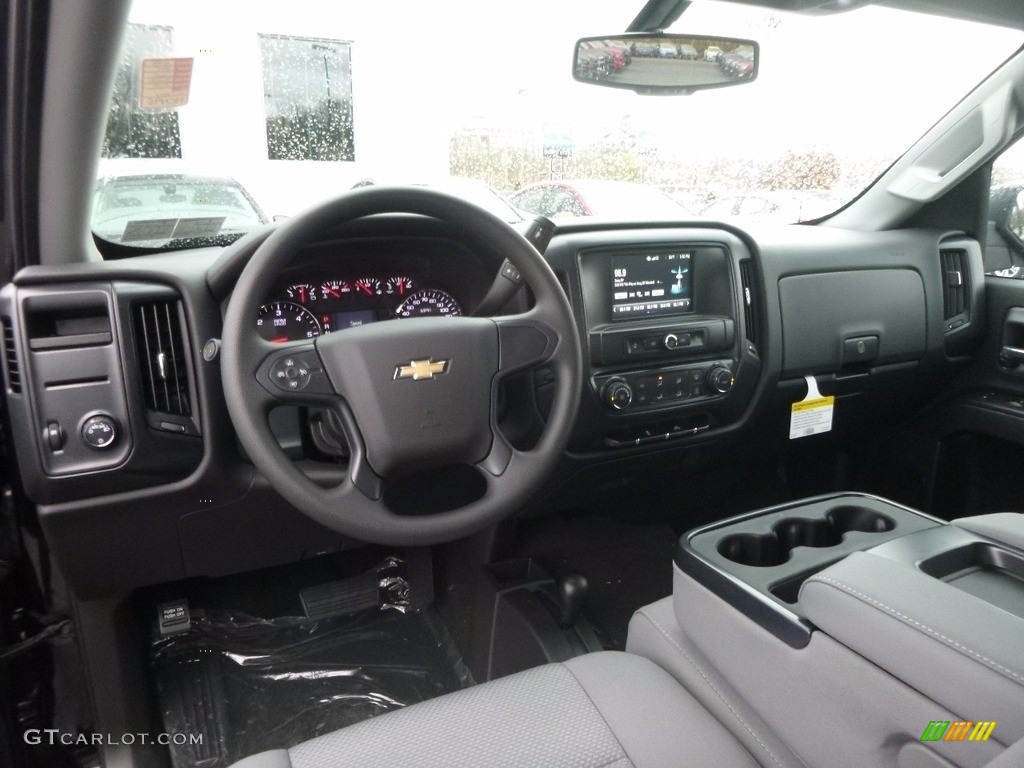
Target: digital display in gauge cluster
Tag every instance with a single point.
(306, 310)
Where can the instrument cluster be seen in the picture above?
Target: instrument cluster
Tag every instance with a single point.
(307, 309)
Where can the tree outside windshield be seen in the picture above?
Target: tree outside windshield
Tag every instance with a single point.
(296, 105)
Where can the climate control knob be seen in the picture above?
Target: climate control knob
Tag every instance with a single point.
(720, 379)
(617, 394)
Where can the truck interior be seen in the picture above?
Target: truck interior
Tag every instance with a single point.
(360, 408)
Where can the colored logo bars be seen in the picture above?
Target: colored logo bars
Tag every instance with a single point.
(958, 730)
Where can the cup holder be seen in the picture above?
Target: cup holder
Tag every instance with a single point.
(764, 550)
(846, 519)
(761, 550)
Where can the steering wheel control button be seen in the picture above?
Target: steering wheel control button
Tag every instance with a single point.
(55, 437)
(509, 272)
(99, 431)
(295, 371)
(291, 373)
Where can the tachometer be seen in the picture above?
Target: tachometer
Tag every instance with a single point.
(429, 302)
(285, 321)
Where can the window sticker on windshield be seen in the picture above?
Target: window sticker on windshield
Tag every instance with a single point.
(148, 229)
(813, 414)
(172, 229)
(198, 227)
(165, 83)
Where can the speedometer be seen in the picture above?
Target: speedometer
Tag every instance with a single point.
(285, 321)
(429, 302)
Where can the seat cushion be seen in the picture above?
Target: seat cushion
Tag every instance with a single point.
(601, 710)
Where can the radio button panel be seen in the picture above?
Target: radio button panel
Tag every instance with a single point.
(610, 345)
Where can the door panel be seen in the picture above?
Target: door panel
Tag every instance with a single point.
(969, 448)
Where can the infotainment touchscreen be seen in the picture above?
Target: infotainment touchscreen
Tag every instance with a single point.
(648, 284)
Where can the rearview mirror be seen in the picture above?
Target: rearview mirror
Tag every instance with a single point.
(665, 64)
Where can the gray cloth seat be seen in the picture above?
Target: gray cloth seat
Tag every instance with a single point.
(601, 710)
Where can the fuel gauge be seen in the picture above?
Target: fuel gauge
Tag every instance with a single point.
(369, 286)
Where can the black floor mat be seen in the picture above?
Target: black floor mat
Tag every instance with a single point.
(247, 684)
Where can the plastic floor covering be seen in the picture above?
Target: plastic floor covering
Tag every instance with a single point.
(247, 684)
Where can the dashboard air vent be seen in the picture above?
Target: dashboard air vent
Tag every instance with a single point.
(749, 305)
(954, 277)
(160, 344)
(11, 355)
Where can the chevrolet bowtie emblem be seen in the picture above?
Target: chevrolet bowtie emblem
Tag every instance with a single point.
(421, 369)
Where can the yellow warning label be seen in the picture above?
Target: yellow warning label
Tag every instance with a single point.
(812, 416)
(810, 405)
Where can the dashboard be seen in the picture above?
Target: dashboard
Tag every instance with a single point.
(696, 338)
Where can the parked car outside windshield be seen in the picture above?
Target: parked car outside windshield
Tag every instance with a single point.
(158, 209)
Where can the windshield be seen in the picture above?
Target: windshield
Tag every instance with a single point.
(284, 108)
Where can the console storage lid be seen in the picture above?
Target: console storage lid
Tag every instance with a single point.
(942, 610)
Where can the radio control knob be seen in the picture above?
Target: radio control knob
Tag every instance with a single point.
(720, 379)
(671, 341)
(617, 394)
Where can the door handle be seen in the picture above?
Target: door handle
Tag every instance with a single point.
(1011, 348)
(1011, 355)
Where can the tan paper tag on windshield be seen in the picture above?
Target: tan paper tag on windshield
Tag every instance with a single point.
(165, 83)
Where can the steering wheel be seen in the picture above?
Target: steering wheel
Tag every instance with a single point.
(411, 394)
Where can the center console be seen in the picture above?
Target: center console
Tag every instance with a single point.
(848, 630)
(758, 562)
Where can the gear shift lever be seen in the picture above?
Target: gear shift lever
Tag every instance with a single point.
(572, 592)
